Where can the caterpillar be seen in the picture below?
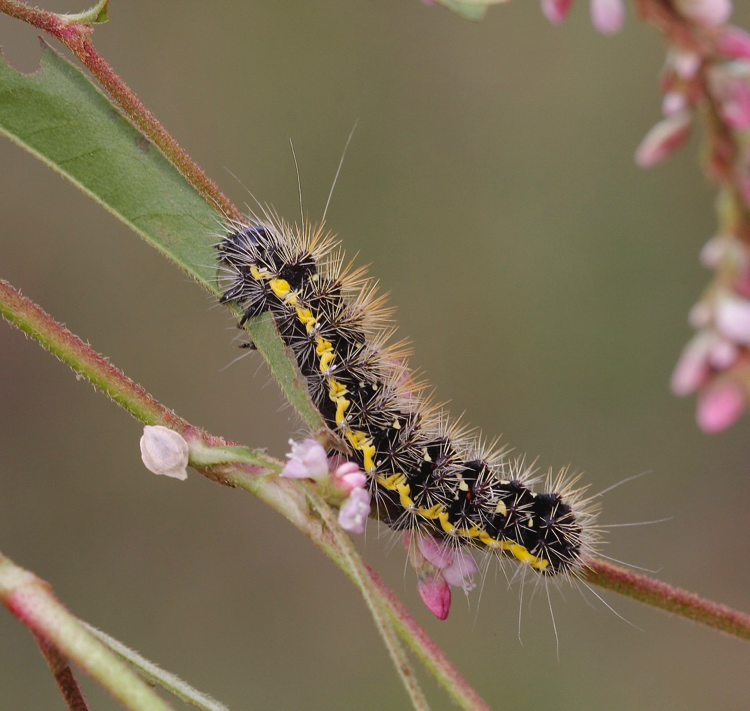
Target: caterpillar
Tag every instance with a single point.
(427, 474)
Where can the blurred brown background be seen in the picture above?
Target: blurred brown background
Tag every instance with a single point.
(543, 278)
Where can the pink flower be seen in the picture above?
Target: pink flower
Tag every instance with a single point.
(711, 13)
(732, 318)
(720, 406)
(713, 251)
(685, 64)
(608, 16)
(735, 43)
(435, 594)
(692, 368)
(664, 139)
(556, 10)
(673, 102)
(733, 91)
(723, 353)
(353, 514)
(435, 551)
(307, 460)
(459, 574)
(164, 452)
(457, 565)
(348, 476)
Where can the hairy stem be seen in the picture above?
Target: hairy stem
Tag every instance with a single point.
(361, 579)
(31, 600)
(60, 668)
(226, 463)
(668, 598)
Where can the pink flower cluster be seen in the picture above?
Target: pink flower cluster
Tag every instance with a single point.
(687, 77)
(716, 362)
(715, 75)
(309, 460)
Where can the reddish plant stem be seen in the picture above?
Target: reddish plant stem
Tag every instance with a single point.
(434, 658)
(665, 597)
(280, 494)
(77, 38)
(24, 314)
(60, 668)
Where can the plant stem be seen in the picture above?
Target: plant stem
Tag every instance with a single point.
(427, 651)
(361, 578)
(63, 674)
(76, 36)
(229, 464)
(31, 600)
(224, 462)
(665, 597)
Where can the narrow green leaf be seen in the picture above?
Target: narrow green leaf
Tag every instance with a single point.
(59, 116)
(155, 675)
(474, 10)
(93, 16)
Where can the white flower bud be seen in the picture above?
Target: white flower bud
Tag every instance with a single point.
(164, 451)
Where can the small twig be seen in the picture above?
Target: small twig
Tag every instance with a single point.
(668, 598)
(76, 36)
(63, 674)
(359, 575)
(31, 600)
(427, 651)
(224, 462)
(155, 675)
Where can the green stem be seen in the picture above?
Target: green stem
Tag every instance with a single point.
(33, 603)
(226, 463)
(361, 578)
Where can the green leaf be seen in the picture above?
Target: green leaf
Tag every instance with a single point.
(93, 16)
(474, 10)
(155, 675)
(58, 115)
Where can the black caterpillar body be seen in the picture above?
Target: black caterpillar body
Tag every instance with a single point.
(424, 473)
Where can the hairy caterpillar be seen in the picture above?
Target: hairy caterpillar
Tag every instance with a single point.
(426, 474)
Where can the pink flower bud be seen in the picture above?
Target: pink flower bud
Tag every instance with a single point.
(732, 317)
(353, 514)
(164, 452)
(348, 476)
(735, 103)
(459, 573)
(435, 551)
(685, 64)
(692, 368)
(608, 16)
(664, 139)
(307, 460)
(719, 407)
(700, 315)
(556, 10)
(435, 594)
(735, 43)
(723, 353)
(713, 251)
(711, 13)
(672, 103)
